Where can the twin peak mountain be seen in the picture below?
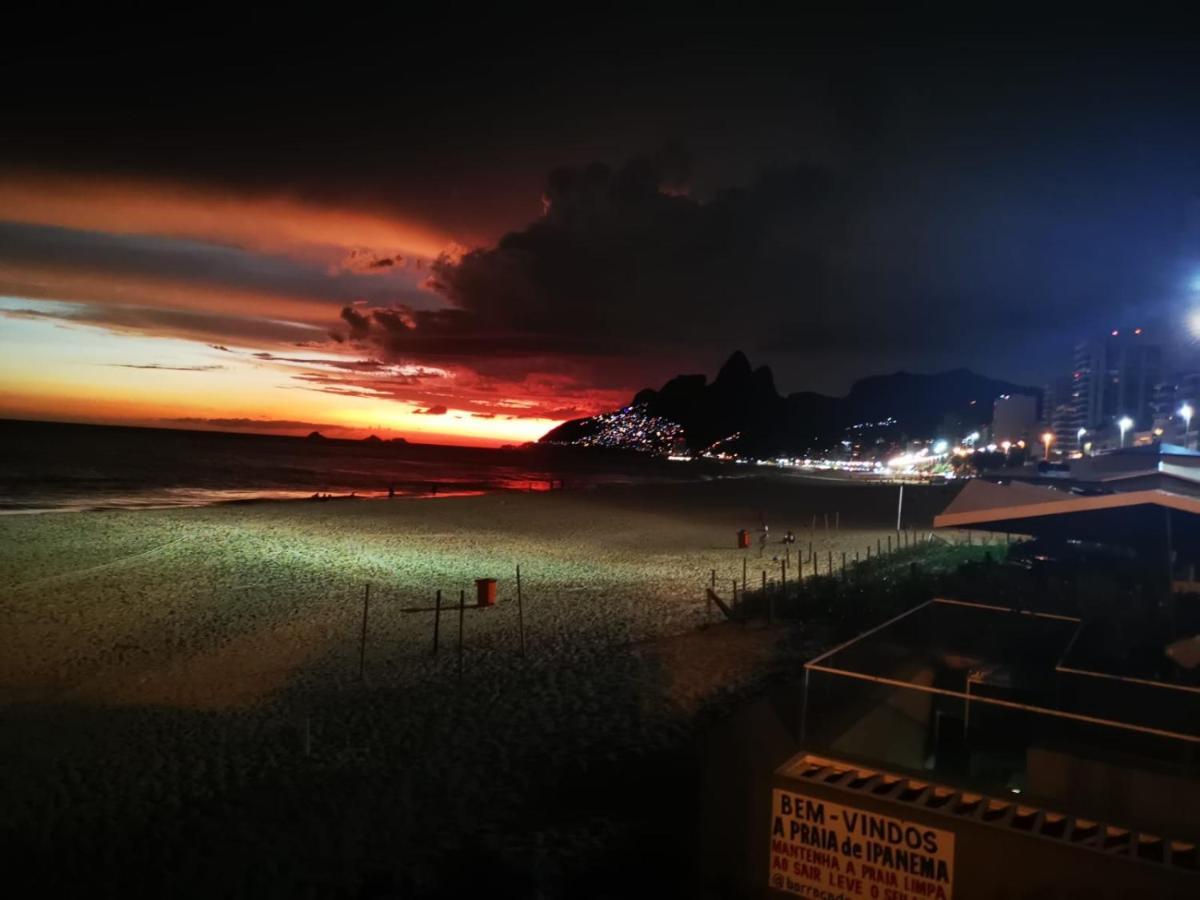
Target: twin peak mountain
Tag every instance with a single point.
(743, 401)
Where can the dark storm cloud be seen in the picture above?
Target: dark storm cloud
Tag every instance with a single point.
(360, 325)
(619, 264)
(818, 271)
(437, 410)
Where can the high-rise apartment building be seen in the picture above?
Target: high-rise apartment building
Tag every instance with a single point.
(1113, 377)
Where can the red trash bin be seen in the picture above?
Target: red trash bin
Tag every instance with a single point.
(743, 539)
(485, 591)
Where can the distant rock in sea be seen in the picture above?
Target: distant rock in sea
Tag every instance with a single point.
(372, 439)
(316, 436)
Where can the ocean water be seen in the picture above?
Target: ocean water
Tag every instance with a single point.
(46, 466)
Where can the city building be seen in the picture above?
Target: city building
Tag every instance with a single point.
(1014, 418)
(1060, 415)
(1059, 731)
(1115, 377)
(1173, 397)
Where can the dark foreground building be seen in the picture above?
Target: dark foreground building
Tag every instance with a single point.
(971, 750)
(1043, 748)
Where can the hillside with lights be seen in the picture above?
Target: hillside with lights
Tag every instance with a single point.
(741, 414)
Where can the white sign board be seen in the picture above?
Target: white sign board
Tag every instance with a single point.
(826, 851)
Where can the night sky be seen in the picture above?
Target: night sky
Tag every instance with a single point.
(471, 229)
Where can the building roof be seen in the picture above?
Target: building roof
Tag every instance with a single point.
(1130, 518)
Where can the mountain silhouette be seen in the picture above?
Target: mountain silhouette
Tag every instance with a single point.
(742, 410)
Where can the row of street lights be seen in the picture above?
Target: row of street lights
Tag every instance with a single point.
(1125, 423)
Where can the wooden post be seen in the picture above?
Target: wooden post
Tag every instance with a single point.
(462, 612)
(714, 579)
(437, 620)
(843, 562)
(764, 582)
(521, 612)
(814, 560)
(868, 552)
(889, 537)
(830, 561)
(362, 644)
(783, 574)
(734, 603)
(743, 574)
(856, 556)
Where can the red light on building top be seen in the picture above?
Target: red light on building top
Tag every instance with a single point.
(1137, 331)
(1115, 332)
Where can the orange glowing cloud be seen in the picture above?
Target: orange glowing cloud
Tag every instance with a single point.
(270, 224)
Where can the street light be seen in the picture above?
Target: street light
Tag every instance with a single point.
(1187, 412)
(1079, 436)
(1124, 424)
(1048, 439)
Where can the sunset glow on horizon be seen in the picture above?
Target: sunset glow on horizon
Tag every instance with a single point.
(150, 304)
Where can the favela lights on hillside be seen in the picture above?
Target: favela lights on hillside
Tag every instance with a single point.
(685, 455)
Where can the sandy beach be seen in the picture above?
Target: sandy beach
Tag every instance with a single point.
(189, 668)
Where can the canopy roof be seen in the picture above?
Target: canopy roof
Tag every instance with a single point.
(1131, 518)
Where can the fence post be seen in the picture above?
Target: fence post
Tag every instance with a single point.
(743, 574)
(437, 620)
(362, 644)
(462, 611)
(521, 611)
